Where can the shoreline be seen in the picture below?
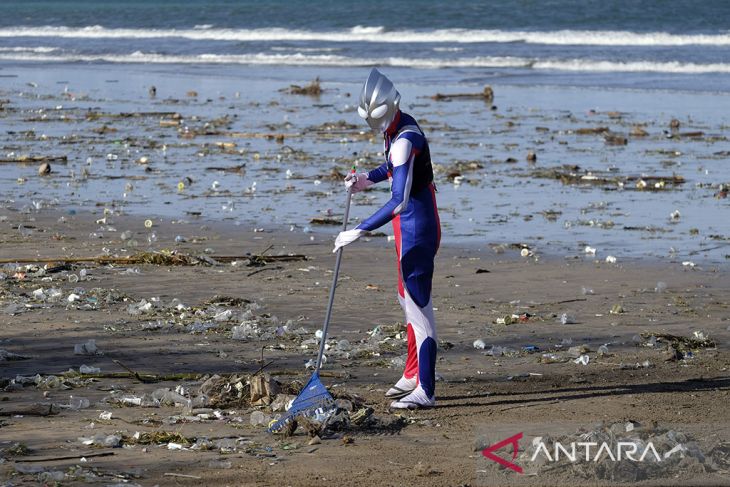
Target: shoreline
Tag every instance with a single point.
(166, 230)
(341, 74)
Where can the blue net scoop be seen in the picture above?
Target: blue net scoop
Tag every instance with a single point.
(314, 402)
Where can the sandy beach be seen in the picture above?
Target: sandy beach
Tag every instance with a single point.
(170, 191)
(477, 393)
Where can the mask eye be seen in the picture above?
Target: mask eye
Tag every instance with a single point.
(379, 111)
(363, 114)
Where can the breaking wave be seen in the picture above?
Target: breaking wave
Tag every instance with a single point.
(300, 59)
(380, 34)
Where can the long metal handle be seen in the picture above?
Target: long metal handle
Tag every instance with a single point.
(334, 286)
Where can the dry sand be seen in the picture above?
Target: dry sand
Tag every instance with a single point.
(478, 392)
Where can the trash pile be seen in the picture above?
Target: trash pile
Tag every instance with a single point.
(678, 347)
(349, 414)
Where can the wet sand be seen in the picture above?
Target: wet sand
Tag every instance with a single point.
(611, 167)
(476, 393)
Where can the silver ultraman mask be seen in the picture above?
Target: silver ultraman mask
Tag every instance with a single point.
(379, 101)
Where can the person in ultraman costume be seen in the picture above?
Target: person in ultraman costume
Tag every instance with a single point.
(413, 212)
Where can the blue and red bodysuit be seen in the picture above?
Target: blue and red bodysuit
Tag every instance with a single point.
(412, 209)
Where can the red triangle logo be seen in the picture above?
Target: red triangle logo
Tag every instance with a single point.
(512, 440)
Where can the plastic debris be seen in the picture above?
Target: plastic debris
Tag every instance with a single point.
(86, 348)
(616, 309)
(76, 402)
(108, 441)
(567, 319)
(582, 360)
(479, 344)
(258, 418)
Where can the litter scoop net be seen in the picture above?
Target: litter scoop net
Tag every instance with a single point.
(314, 403)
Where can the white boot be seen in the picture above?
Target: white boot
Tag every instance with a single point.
(415, 400)
(401, 388)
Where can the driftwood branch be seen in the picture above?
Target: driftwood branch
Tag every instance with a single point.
(39, 409)
(66, 457)
(34, 159)
(158, 258)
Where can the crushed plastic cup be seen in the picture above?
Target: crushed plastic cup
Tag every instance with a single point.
(586, 291)
(479, 344)
(661, 286)
(39, 294)
(496, 351)
(224, 315)
(166, 397)
(54, 294)
(105, 415)
(77, 402)
(226, 445)
(576, 351)
(603, 351)
(112, 441)
(699, 335)
(258, 418)
(551, 358)
(13, 309)
(85, 369)
(567, 319)
(86, 348)
(582, 360)
(131, 400)
(199, 327)
(136, 309)
(343, 346)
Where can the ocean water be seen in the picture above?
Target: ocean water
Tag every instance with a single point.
(673, 44)
(556, 67)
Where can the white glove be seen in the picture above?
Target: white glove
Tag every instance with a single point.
(358, 182)
(347, 237)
